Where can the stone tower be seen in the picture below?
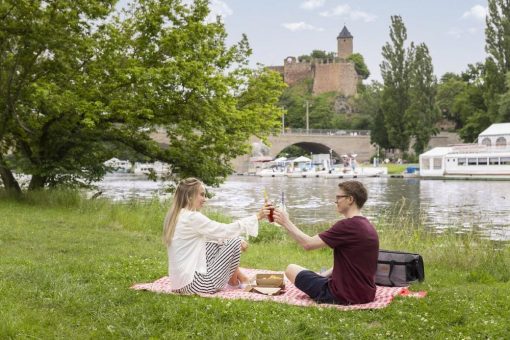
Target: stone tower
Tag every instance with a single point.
(327, 75)
(344, 42)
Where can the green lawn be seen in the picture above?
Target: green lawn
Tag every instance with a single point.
(66, 266)
(397, 169)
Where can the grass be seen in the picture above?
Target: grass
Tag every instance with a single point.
(66, 265)
(397, 169)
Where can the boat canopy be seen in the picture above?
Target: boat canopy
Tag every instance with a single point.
(496, 129)
(302, 159)
(438, 151)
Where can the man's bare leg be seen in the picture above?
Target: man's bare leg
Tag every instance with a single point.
(292, 271)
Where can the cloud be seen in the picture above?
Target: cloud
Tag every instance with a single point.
(459, 32)
(346, 10)
(477, 12)
(312, 4)
(218, 8)
(301, 26)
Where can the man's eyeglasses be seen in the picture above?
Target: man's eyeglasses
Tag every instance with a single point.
(340, 196)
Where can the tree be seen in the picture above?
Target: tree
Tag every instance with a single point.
(422, 114)
(504, 102)
(369, 103)
(471, 103)
(450, 87)
(395, 71)
(43, 49)
(497, 64)
(77, 87)
(460, 99)
(359, 65)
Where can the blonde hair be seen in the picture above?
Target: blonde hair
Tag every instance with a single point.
(186, 191)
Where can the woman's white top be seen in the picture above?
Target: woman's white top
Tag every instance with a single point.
(186, 253)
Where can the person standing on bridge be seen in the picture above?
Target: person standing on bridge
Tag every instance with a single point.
(355, 245)
(204, 255)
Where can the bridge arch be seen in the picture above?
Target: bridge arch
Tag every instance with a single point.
(313, 148)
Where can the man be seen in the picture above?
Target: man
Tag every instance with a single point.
(355, 247)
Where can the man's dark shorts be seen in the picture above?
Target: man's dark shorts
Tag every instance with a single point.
(315, 286)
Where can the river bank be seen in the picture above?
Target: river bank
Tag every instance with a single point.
(67, 264)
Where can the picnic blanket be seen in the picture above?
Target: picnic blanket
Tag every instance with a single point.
(291, 295)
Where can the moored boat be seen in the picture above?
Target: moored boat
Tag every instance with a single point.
(487, 159)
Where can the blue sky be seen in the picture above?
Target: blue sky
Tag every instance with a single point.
(453, 30)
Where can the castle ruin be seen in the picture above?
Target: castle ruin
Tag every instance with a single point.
(328, 75)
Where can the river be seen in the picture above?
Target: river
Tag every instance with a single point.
(483, 206)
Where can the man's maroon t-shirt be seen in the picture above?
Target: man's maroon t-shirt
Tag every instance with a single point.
(355, 251)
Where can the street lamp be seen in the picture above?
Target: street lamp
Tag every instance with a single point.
(283, 122)
(307, 105)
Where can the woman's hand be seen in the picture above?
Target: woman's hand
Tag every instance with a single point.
(264, 211)
(244, 245)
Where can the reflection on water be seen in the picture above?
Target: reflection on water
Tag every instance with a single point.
(125, 186)
(480, 205)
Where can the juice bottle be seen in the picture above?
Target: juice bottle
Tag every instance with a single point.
(271, 210)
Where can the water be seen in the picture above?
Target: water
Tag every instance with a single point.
(480, 205)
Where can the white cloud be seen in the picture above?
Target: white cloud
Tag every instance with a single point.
(312, 4)
(477, 12)
(459, 32)
(455, 32)
(346, 10)
(301, 26)
(338, 10)
(218, 8)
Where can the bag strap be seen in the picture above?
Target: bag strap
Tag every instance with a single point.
(399, 263)
(392, 264)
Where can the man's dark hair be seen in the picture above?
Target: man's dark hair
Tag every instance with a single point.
(355, 189)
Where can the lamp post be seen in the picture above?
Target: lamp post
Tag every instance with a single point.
(283, 122)
(307, 105)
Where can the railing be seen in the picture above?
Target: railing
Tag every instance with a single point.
(326, 132)
(477, 148)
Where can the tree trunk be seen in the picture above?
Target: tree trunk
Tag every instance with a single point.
(37, 182)
(10, 183)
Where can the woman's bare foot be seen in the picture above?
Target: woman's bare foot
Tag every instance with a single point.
(242, 277)
(238, 277)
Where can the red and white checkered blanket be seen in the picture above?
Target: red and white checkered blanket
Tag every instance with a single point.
(291, 295)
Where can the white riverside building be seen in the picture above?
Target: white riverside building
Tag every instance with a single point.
(489, 158)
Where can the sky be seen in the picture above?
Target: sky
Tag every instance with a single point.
(453, 30)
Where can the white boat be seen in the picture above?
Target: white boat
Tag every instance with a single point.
(356, 173)
(300, 167)
(301, 173)
(118, 165)
(271, 172)
(275, 168)
(158, 168)
(487, 159)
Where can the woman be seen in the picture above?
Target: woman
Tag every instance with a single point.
(203, 255)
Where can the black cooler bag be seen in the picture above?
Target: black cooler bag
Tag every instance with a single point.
(398, 269)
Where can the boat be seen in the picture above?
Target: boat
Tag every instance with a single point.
(271, 172)
(157, 168)
(359, 172)
(276, 168)
(118, 165)
(301, 173)
(489, 158)
(300, 167)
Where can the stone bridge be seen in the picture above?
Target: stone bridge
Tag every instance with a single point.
(336, 142)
